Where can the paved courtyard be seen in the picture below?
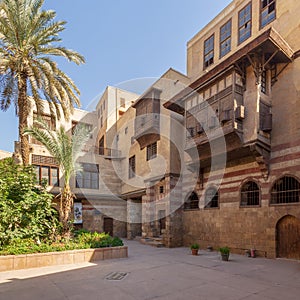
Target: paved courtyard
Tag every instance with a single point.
(158, 273)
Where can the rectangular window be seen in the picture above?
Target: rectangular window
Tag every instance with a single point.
(88, 177)
(47, 174)
(209, 51)
(267, 12)
(264, 82)
(151, 151)
(122, 102)
(245, 23)
(225, 39)
(131, 170)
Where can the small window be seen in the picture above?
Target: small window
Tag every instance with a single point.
(245, 21)
(192, 202)
(250, 194)
(131, 171)
(285, 190)
(264, 82)
(122, 102)
(209, 51)
(161, 189)
(268, 12)
(151, 151)
(211, 198)
(225, 39)
(126, 130)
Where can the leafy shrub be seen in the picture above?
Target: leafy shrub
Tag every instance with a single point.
(195, 246)
(26, 210)
(224, 250)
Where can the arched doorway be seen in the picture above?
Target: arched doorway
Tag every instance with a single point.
(288, 237)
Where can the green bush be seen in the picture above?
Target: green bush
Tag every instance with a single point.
(224, 250)
(84, 240)
(26, 210)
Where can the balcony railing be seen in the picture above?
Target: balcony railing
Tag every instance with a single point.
(108, 152)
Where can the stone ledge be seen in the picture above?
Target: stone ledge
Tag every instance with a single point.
(37, 260)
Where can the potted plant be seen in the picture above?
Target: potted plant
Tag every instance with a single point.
(225, 251)
(195, 248)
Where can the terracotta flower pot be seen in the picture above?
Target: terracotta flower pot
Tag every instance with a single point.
(195, 251)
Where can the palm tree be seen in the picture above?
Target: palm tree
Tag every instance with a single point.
(65, 149)
(29, 39)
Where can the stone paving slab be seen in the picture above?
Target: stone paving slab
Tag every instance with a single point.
(158, 273)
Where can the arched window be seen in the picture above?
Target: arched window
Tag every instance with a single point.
(250, 194)
(192, 202)
(285, 190)
(211, 198)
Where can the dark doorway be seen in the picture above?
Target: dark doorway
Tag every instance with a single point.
(101, 146)
(108, 226)
(162, 220)
(288, 237)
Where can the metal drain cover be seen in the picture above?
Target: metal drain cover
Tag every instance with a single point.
(116, 276)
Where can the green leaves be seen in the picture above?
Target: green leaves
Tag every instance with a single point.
(25, 209)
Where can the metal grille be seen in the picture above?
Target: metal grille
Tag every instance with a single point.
(151, 151)
(250, 194)
(285, 190)
(211, 198)
(116, 276)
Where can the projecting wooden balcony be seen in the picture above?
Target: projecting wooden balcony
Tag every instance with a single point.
(147, 127)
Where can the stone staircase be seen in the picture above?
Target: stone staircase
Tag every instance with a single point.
(153, 241)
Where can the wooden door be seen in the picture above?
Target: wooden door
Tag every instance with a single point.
(288, 237)
(108, 226)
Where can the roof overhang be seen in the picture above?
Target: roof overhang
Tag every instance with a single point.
(269, 41)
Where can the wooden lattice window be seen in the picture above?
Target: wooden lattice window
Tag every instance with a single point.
(285, 190)
(211, 198)
(250, 194)
(192, 202)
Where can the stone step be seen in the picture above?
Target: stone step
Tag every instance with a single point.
(151, 242)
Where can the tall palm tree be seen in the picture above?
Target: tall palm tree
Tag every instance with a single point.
(29, 39)
(65, 149)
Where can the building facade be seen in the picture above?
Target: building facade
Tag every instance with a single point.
(212, 157)
(244, 122)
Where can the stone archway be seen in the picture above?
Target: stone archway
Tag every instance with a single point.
(288, 237)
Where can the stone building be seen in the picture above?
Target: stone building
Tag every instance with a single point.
(150, 138)
(212, 157)
(241, 114)
(96, 186)
(5, 154)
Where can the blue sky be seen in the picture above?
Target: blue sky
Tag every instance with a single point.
(122, 40)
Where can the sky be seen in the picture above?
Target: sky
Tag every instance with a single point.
(121, 40)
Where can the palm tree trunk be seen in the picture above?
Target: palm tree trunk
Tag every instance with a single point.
(23, 112)
(66, 204)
